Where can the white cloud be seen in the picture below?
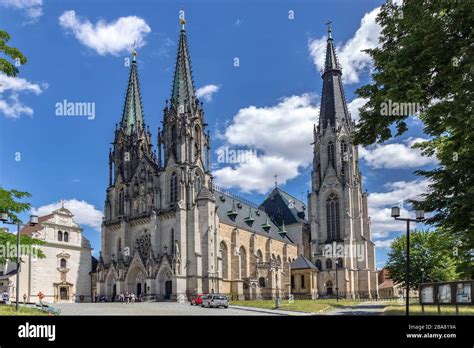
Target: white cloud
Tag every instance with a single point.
(281, 134)
(398, 193)
(10, 105)
(354, 107)
(84, 213)
(384, 244)
(207, 91)
(351, 58)
(33, 9)
(107, 38)
(395, 155)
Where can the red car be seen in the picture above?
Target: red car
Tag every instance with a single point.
(197, 300)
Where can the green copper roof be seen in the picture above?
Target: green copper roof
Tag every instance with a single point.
(183, 86)
(133, 111)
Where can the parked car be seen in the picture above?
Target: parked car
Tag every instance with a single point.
(197, 300)
(215, 301)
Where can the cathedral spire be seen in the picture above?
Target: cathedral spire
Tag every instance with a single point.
(183, 93)
(132, 117)
(333, 101)
(331, 62)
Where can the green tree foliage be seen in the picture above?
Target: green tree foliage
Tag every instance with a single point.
(28, 246)
(426, 57)
(430, 251)
(9, 203)
(10, 68)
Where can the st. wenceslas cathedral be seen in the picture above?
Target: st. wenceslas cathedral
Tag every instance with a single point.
(169, 232)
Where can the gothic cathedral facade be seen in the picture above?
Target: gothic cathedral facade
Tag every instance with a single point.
(170, 233)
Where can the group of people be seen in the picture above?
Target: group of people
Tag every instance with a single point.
(127, 297)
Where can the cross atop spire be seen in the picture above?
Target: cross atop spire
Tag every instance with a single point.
(328, 23)
(331, 59)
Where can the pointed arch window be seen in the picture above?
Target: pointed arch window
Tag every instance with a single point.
(243, 262)
(121, 202)
(332, 217)
(344, 156)
(172, 241)
(331, 157)
(340, 263)
(197, 143)
(119, 246)
(318, 264)
(173, 188)
(225, 260)
(197, 184)
(328, 264)
(174, 141)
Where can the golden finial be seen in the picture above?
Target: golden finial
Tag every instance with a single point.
(183, 22)
(134, 54)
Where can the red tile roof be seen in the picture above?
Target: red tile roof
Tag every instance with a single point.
(27, 230)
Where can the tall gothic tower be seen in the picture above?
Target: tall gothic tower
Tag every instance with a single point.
(339, 221)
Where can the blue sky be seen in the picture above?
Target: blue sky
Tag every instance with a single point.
(268, 103)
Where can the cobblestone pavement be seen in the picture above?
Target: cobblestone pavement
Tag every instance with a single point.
(150, 308)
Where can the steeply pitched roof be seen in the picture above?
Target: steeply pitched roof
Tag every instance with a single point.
(235, 211)
(283, 207)
(182, 92)
(302, 263)
(333, 101)
(132, 117)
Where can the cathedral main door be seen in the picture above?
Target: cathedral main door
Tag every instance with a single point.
(139, 289)
(168, 289)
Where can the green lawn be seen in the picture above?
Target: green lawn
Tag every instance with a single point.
(397, 309)
(10, 310)
(310, 306)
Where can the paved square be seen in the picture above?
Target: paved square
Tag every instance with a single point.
(147, 308)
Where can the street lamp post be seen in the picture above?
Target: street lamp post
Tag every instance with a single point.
(33, 221)
(420, 215)
(337, 281)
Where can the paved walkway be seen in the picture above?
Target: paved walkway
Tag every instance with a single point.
(270, 311)
(174, 308)
(149, 308)
(365, 308)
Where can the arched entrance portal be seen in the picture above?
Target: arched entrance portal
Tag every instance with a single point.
(135, 280)
(63, 294)
(168, 289)
(139, 289)
(164, 284)
(111, 287)
(329, 288)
